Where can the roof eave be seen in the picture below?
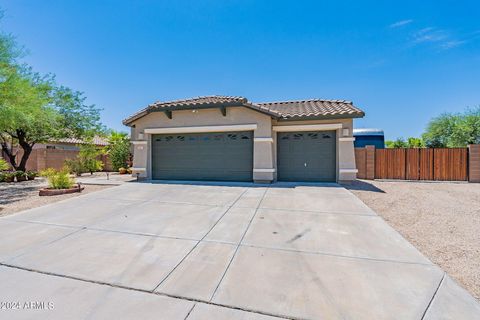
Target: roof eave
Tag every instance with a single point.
(128, 121)
(323, 117)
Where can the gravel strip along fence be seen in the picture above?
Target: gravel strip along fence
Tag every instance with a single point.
(442, 219)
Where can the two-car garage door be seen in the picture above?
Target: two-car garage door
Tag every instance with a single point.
(228, 156)
(223, 156)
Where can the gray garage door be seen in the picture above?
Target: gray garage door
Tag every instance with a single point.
(306, 156)
(224, 156)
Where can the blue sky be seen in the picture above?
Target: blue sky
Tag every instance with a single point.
(402, 62)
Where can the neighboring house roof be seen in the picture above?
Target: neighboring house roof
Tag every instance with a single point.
(315, 108)
(99, 141)
(367, 132)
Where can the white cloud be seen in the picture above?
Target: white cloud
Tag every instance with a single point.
(401, 23)
(452, 44)
(430, 35)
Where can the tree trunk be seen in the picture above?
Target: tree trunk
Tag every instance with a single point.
(27, 150)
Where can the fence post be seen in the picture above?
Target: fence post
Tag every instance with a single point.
(370, 156)
(474, 163)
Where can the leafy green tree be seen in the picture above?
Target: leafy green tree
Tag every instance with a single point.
(118, 149)
(88, 157)
(35, 109)
(413, 142)
(398, 143)
(454, 129)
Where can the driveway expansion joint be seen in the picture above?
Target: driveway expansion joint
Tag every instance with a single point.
(239, 244)
(117, 286)
(338, 255)
(46, 244)
(190, 311)
(434, 295)
(198, 241)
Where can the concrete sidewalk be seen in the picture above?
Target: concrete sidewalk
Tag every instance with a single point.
(105, 178)
(186, 251)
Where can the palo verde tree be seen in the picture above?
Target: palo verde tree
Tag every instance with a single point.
(35, 109)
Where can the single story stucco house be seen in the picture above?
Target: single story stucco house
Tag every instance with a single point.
(232, 139)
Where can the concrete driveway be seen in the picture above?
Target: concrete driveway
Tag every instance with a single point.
(177, 251)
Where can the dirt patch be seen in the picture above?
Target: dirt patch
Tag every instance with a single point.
(15, 197)
(441, 219)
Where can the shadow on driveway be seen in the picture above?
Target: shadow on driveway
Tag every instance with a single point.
(17, 191)
(363, 186)
(280, 184)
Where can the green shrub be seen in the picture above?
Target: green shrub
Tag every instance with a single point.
(75, 166)
(4, 165)
(19, 173)
(88, 157)
(118, 149)
(8, 176)
(86, 161)
(61, 180)
(31, 174)
(47, 172)
(58, 179)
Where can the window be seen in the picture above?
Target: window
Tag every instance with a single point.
(232, 136)
(297, 136)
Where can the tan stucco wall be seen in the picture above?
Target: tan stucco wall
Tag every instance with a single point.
(264, 153)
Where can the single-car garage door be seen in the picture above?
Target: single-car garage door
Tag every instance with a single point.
(306, 156)
(224, 156)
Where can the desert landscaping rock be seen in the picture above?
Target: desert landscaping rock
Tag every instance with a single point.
(442, 219)
(16, 197)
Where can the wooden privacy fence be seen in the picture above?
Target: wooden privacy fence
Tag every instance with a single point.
(445, 164)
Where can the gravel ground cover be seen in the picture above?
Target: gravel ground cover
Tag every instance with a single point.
(442, 219)
(19, 196)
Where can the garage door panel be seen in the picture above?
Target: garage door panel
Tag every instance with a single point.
(306, 156)
(224, 156)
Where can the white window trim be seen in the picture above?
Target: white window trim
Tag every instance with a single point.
(345, 139)
(237, 127)
(308, 127)
(264, 170)
(263, 139)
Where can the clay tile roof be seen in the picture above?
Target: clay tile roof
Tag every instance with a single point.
(99, 141)
(198, 101)
(285, 109)
(313, 108)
